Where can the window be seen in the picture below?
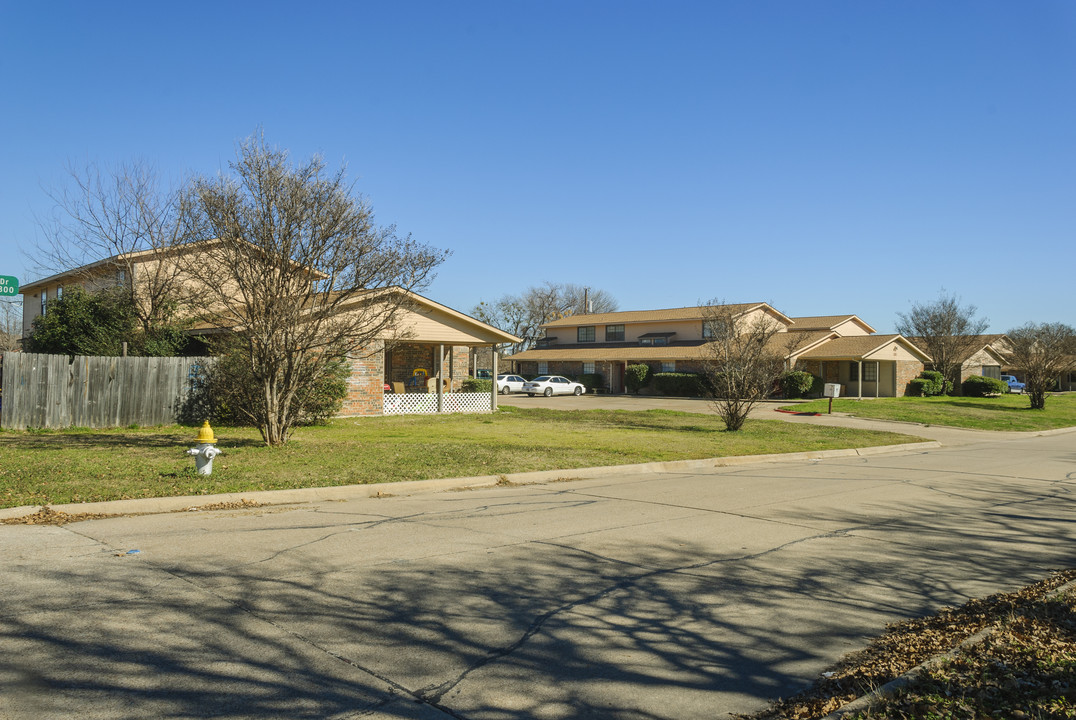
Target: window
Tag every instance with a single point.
(588, 368)
(44, 300)
(853, 371)
(992, 371)
(586, 334)
(614, 333)
(543, 368)
(653, 341)
(668, 366)
(60, 292)
(707, 330)
(870, 372)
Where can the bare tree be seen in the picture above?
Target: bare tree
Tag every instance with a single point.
(1043, 352)
(523, 315)
(10, 325)
(120, 226)
(948, 332)
(300, 273)
(743, 359)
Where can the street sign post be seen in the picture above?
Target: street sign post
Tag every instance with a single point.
(8, 285)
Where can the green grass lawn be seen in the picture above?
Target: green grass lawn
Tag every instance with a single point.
(42, 467)
(1008, 412)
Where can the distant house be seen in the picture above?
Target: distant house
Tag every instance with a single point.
(986, 358)
(838, 348)
(425, 356)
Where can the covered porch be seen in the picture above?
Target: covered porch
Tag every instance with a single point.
(421, 367)
(868, 366)
(424, 379)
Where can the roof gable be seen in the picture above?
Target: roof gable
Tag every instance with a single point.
(827, 322)
(625, 317)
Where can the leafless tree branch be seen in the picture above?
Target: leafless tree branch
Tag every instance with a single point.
(742, 361)
(298, 269)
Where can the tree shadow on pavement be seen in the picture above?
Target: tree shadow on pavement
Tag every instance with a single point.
(638, 628)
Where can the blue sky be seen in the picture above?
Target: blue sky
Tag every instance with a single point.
(826, 157)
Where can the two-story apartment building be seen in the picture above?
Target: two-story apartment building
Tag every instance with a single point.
(839, 348)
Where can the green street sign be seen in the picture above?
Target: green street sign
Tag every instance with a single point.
(9, 285)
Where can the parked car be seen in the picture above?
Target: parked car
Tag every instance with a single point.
(553, 385)
(1014, 385)
(509, 384)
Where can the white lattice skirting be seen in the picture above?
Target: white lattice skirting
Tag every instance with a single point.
(426, 403)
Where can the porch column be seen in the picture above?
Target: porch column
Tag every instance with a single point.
(440, 378)
(493, 382)
(877, 378)
(859, 363)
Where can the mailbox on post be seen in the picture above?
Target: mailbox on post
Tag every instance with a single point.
(831, 391)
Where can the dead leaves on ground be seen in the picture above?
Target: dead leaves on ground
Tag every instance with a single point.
(1026, 667)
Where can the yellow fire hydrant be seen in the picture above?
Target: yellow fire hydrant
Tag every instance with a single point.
(205, 451)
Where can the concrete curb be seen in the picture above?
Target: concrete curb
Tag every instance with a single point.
(894, 686)
(146, 506)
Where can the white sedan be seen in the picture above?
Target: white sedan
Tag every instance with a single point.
(509, 384)
(553, 385)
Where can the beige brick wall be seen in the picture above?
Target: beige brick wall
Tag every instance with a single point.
(907, 370)
(365, 386)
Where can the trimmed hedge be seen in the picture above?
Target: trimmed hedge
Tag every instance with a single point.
(979, 386)
(682, 384)
(592, 380)
(482, 385)
(636, 377)
(796, 383)
(930, 383)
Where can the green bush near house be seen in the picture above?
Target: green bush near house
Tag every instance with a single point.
(930, 383)
(636, 377)
(980, 386)
(477, 385)
(225, 391)
(796, 383)
(679, 384)
(592, 380)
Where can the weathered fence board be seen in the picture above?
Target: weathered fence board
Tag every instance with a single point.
(56, 391)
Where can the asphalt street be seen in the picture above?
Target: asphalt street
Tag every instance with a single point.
(668, 595)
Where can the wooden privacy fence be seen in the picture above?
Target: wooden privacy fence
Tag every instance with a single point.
(55, 391)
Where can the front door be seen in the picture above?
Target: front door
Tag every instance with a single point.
(616, 377)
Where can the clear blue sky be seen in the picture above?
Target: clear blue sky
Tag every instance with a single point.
(826, 157)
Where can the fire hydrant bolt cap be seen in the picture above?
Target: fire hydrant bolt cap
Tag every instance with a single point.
(205, 435)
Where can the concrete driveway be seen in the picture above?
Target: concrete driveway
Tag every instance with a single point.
(673, 595)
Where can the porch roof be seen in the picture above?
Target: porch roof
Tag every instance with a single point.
(861, 347)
